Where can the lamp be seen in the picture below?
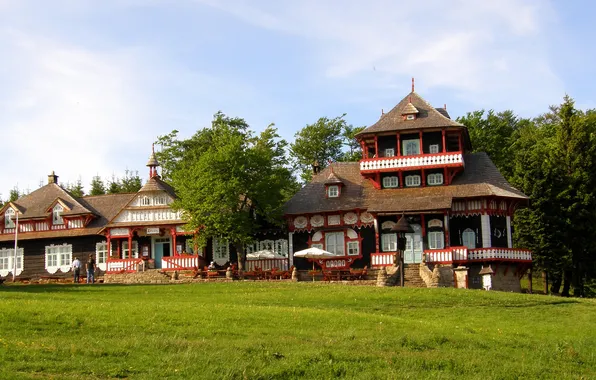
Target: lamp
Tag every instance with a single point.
(402, 227)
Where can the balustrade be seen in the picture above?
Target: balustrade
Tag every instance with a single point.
(409, 162)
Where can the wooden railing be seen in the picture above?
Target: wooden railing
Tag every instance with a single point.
(267, 264)
(454, 159)
(382, 259)
(463, 254)
(123, 265)
(180, 262)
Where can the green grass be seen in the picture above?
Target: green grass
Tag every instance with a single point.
(291, 330)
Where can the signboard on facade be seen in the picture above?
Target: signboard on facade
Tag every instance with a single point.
(152, 230)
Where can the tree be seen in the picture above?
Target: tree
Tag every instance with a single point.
(76, 189)
(97, 186)
(14, 194)
(131, 182)
(318, 142)
(354, 152)
(114, 186)
(170, 153)
(229, 181)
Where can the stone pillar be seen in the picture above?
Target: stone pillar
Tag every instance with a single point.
(295, 275)
(382, 277)
(461, 277)
(229, 274)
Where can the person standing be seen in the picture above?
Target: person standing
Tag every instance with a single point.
(76, 269)
(91, 270)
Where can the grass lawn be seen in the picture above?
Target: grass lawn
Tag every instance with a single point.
(290, 330)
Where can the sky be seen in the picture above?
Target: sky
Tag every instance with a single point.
(86, 86)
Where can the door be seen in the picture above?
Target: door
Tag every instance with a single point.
(413, 252)
(161, 249)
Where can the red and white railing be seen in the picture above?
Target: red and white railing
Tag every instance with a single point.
(123, 265)
(420, 160)
(267, 264)
(382, 259)
(180, 262)
(463, 254)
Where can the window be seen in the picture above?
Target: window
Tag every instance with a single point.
(390, 181)
(57, 214)
(435, 179)
(333, 191)
(58, 257)
(411, 147)
(434, 148)
(8, 215)
(389, 152)
(7, 261)
(353, 248)
(145, 201)
(334, 241)
(221, 251)
(412, 180)
(436, 240)
(389, 242)
(468, 238)
(411, 117)
(101, 252)
(135, 250)
(160, 200)
(317, 245)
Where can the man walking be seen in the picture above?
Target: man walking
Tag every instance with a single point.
(76, 269)
(91, 270)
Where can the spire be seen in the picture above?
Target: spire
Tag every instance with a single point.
(152, 163)
(412, 84)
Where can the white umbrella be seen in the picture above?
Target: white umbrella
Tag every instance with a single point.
(264, 254)
(314, 253)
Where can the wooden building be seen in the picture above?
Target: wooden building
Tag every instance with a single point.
(416, 162)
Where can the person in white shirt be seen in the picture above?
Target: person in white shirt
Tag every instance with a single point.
(76, 268)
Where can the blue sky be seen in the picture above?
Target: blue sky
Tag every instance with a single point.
(86, 86)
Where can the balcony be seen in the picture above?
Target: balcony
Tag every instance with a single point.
(420, 161)
(464, 255)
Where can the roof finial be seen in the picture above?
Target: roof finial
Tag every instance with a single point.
(382, 112)
(445, 106)
(412, 84)
(410, 99)
(153, 148)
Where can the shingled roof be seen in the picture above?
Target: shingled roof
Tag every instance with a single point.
(480, 178)
(156, 184)
(427, 117)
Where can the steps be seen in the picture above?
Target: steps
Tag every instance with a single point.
(412, 277)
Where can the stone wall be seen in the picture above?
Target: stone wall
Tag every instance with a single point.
(508, 282)
(440, 277)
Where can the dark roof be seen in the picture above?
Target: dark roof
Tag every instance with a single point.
(36, 204)
(480, 178)
(333, 179)
(427, 117)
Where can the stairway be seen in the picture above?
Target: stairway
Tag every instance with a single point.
(150, 276)
(412, 277)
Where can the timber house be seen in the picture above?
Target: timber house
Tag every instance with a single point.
(416, 163)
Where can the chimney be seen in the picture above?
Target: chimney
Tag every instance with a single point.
(316, 168)
(53, 178)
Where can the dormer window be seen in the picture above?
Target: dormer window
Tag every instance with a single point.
(145, 201)
(333, 191)
(8, 215)
(410, 117)
(389, 152)
(412, 180)
(57, 214)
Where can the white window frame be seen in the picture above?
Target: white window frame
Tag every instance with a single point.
(468, 238)
(436, 240)
(413, 180)
(135, 250)
(7, 261)
(335, 243)
(389, 152)
(389, 242)
(221, 251)
(160, 200)
(145, 201)
(433, 148)
(317, 245)
(333, 191)
(58, 258)
(391, 182)
(353, 248)
(102, 255)
(408, 146)
(57, 214)
(434, 179)
(410, 117)
(8, 214)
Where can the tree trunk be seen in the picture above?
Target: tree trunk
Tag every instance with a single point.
(241, 256)
(556, 285)
(566, 283)
(545, 281)
(530, 281)
(577, 280)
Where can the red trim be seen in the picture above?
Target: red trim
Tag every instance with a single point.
(377, 147)
(423, 222)
(444, 145)
(421, 146)
(398, 146)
